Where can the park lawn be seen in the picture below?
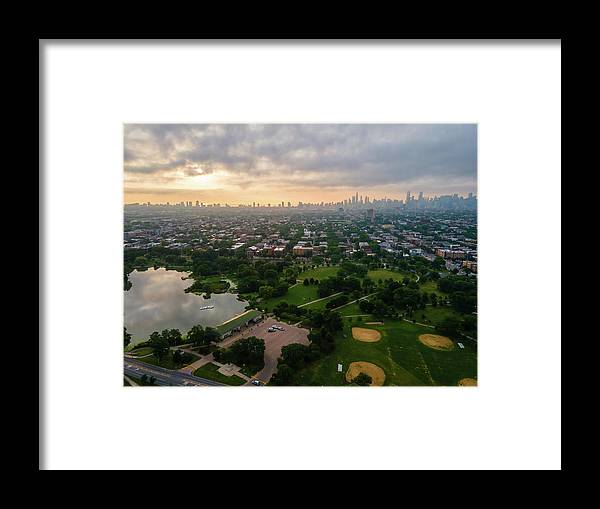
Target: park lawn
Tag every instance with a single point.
(210, 371)
(319, 273)
(166, 362)
(430, 287)
(296, 294)
(405, 360)
(145, 350)
(383, 274)
(322, 303)
(251, 369)
(435, 315)
(350, 309)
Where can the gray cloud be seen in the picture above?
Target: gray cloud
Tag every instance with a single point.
(442, 157)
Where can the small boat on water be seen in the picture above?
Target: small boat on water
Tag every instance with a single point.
(202, 308)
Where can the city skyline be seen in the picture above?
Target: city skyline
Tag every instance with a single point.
(270, 163)
(353, 200)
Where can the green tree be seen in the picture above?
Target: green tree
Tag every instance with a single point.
(294, 355)
(159, 345)
(449, 326)
(196, 335)
(210, 335)
(362, 379)
(284, 375)
(126, 337)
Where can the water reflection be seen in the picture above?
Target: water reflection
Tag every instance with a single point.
(157, 301)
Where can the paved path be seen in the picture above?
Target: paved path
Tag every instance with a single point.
(418, 323)
(348, 303)
(186, 349)
(131, 382)
(129, 356)
(319, 300)
(190, 368)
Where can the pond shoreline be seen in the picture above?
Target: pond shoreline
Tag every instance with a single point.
(161, 298)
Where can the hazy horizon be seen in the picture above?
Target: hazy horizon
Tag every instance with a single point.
(271, 163)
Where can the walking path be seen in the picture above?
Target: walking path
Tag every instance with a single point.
(190, 368)
(129, 356)
(352, 302)
(319, 300)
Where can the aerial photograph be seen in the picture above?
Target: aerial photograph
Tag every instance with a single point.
(336, 255)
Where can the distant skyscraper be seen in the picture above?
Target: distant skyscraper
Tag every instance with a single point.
(407, 197)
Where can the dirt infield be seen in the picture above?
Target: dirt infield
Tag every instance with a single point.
(436, 342)
(467, 382)
(374, 371)
(373, 323)
(366, 335)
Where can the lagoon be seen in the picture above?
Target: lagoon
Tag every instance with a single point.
(157, 301)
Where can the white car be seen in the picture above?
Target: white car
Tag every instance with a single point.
(255, 382)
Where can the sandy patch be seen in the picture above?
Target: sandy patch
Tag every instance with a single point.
(468, 382)
(373, 323)
(436, 342)
(366, 335)
(374, 371)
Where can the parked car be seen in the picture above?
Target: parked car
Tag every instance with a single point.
(255, 382)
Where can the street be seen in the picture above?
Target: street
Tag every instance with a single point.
(165, 377)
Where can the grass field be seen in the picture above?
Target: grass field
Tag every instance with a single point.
(434, 315)
(210, 372)
(405, 360)
(350, 309)
(166, 362)
(251, 370)
(297, 294)
(319, 273)
(322, 303)
(383, 274)
(145, 350)
(430, 287)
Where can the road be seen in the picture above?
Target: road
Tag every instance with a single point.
(165, 377)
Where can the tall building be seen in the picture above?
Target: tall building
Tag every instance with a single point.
(407, 197)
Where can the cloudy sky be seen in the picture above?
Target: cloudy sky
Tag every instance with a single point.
(242, 163)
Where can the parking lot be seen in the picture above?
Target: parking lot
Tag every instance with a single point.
(274, 342)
